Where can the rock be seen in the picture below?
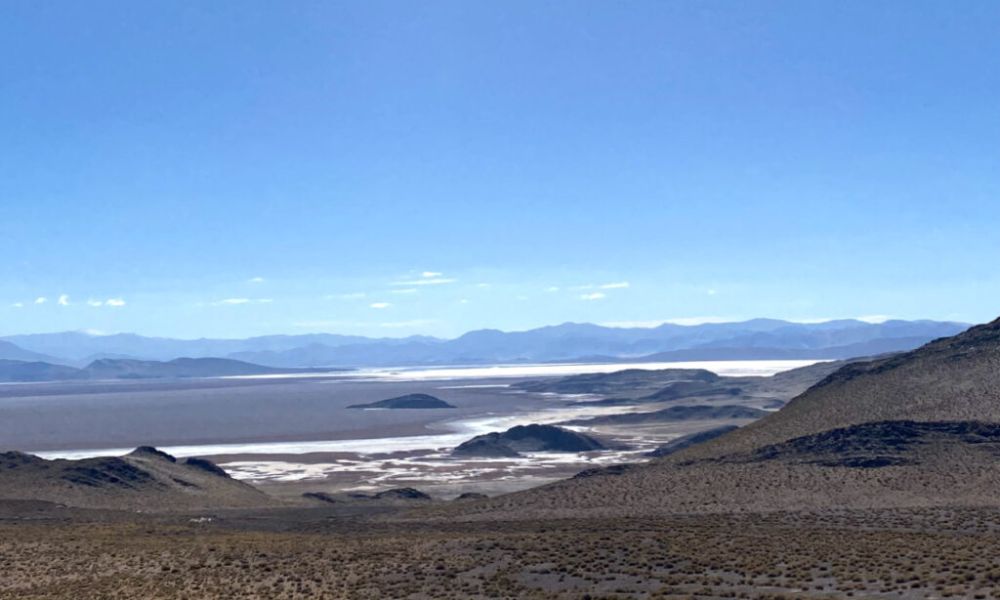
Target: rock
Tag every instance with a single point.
(423, 401)
(528, 438)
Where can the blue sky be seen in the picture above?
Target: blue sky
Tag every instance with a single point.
(389, 168)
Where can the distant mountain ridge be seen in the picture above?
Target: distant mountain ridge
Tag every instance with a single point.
(757, 339)
(108, 368)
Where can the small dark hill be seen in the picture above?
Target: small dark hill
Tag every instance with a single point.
(528, 438)
(407, 401)
(690, 440)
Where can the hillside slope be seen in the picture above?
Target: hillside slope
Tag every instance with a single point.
(915, 429)
(144, 480)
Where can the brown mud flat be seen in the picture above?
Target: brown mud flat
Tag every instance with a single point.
(49, 552)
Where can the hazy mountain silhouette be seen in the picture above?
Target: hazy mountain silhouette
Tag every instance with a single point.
(754, 339)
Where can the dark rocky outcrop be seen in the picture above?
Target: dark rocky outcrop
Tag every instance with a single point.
(470, 496)
(690, 440)
(528, 438)
(406, 493)
(409, 401)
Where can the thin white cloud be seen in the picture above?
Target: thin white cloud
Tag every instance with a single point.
(874, 319)
(380, 305)
(256, 280)
(618, 285)
(95, 303)
(701, 320)
(41, 300)
(405, 291)
(711, 291)
(116, 302)
(430, 274)
(347, 296)
(18, 305)
(463, 301)
(63, 300)
(233, 301)
(425, 281)
(552, 289)
(593, 296)
(483, 285)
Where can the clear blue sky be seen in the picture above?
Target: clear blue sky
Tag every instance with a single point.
(387, 168)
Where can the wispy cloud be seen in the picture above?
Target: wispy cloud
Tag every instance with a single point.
(256, 280)
(405, 291)
(701, 320)
(347, 296)
(63, 300)
(874, 319)
(41, 300)
(115, 302)
(426, 278)
(618, 285)
(380, 305)
(18, 305)
(552, 289)
(95, 303)
(427, 281)
(593, 296)
(236, 301)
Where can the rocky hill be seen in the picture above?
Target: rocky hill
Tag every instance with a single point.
(528, 438)
(144, 480)
(421, 401)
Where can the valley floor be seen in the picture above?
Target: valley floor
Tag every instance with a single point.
(49, 552)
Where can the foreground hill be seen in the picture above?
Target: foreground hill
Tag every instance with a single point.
(916, 429)
(146, 480)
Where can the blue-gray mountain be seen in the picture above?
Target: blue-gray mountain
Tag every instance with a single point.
(747, 340)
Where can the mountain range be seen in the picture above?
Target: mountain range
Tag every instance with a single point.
(746, 340)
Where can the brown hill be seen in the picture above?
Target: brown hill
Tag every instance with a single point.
(145, 480)
(915, 429)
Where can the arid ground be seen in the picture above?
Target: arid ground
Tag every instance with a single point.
(48, 552)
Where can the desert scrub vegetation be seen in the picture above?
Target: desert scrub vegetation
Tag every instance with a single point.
(880, 554)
